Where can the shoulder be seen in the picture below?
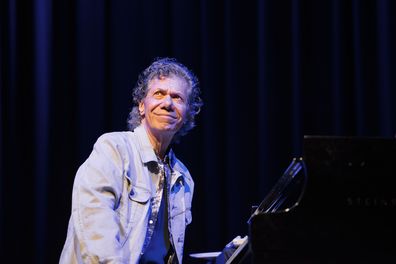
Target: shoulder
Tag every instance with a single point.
(116, 139)
(118, 143)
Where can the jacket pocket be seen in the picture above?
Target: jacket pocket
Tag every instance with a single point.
(138, 204)
(139, 195)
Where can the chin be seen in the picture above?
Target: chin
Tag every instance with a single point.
(168, 128)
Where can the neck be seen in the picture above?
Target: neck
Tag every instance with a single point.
(159, 141)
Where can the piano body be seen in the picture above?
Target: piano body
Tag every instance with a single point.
(335, 205)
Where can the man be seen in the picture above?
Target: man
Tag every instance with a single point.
(132, 196)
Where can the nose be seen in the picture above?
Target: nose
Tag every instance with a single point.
(167, 102)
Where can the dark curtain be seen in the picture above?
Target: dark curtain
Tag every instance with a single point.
(270, 72)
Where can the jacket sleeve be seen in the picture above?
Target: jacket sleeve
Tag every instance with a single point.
(96, 191)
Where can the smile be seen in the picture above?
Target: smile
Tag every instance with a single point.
(166, 116)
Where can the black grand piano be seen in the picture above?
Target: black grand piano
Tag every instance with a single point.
(336, 204)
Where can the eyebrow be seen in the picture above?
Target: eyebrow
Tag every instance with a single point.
(165, 90)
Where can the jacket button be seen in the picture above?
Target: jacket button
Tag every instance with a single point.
(151, 222)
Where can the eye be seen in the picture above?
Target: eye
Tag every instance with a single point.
(157, 93)
(177, 97)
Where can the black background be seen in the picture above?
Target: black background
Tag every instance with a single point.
(270, 72)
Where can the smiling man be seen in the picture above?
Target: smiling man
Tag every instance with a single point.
(132, 196)
(164, 110)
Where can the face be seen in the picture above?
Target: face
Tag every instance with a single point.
(165, 105)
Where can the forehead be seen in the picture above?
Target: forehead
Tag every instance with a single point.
(171, 82)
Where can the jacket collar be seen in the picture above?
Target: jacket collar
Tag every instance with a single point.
(146, 150)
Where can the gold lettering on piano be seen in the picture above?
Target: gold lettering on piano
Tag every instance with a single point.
(368, 201)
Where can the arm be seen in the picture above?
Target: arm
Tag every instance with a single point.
(97, 188)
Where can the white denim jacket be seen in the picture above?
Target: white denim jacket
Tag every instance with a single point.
(111, 201)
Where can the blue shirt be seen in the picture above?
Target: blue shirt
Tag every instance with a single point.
(158, 248)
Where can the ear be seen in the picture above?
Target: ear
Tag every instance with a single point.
(141, 108)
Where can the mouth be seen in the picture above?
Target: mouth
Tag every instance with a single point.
(166, 116)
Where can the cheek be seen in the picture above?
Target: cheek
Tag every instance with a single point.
(150, 104)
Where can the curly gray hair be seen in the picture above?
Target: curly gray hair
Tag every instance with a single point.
(164, 67)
